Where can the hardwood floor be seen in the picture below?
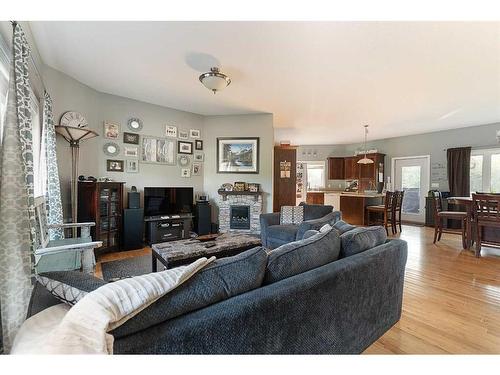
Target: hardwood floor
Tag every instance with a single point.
(451, 301)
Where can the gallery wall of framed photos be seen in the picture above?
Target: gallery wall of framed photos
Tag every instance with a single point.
(175, 147)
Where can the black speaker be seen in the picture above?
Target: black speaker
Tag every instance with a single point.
(134, 199)
(133, 228)
(202, 218)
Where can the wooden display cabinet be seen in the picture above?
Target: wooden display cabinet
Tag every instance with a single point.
(102, 203)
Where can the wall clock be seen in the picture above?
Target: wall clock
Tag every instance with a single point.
(74, 119)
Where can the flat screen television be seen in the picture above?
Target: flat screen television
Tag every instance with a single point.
(159, 201)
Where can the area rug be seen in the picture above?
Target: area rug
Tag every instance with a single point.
(118, 269)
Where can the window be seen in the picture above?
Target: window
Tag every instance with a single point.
(315, 175)
(485, 171)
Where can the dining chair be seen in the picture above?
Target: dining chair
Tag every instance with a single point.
(386, 209)
(486, 211)
(396, 212)
(440, 216)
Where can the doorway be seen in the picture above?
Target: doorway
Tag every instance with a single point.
(412, 175)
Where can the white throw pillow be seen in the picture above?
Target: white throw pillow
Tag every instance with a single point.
(292, 214)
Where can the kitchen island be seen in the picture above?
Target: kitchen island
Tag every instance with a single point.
(352, 206)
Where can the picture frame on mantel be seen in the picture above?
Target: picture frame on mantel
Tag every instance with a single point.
(238, 155)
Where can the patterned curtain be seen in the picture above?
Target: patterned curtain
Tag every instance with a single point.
(17, 211)
(53, 189)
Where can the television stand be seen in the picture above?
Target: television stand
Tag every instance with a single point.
(166, 228)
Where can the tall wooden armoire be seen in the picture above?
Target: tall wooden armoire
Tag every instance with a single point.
(285, 174)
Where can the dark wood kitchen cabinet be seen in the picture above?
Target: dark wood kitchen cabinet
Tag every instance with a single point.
(370, 175)
(351, 168)
(102, 203)
(285, 173)
(336, 168)
(315, 198)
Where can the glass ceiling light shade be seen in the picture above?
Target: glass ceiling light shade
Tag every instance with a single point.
(73, 134)
(365, 160)
(215, 80)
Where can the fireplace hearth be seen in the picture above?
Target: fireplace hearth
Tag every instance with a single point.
(239, 217)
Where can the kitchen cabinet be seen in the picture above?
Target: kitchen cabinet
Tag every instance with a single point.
(370, 175)
(351, 168)
(284, 190)
(315, 198)
(336, 168)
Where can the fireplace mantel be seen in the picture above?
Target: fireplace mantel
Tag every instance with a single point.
(225, 193)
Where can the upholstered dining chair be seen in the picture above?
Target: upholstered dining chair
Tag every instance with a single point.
(486, 212)
(440, 216)
(65, 254)
(384, 213)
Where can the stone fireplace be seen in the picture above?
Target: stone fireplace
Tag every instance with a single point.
(239, 211)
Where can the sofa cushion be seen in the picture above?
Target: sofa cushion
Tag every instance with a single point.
(341, 226)
(223, 279)
(301, 256)
(315, 211)
(310, 233)
(285, 232)
(360, 239)
(69, 286)
(291, 215)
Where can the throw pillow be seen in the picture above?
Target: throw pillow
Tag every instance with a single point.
(309, 233)
(341, 226)
(69, 286)
(361, 239)
(222, 279)
(292, 215)
(301, 256)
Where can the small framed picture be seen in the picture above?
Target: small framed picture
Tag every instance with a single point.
(131, 138)
(131, 151)
(253, 187)
(171, 131)
(185, 172)
(199, 156)
(239, 186)
(198, 144)
(183, 134)
(195, 133)
(132, 166)
(114, 165)
(184, 147)
(197, 169)
(111, 130)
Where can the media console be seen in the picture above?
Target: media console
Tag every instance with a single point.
(167, 228)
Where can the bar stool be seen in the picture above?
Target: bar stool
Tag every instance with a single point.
(398, 203)
(386, 210)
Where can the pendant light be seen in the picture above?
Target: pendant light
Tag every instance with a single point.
(215, 80)
(365, 160)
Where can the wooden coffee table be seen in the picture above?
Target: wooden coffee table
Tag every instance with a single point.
(176, 253)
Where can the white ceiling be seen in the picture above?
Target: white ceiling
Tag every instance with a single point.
(321, 80)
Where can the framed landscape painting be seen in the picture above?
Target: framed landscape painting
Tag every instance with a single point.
(238, 155)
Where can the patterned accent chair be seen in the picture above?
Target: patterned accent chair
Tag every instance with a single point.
(273, 234)
(66, 254)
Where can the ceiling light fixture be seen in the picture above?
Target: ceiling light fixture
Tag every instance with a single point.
(215, 80)
(365, 160)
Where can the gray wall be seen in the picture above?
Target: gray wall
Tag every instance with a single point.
(239, 126)
(433, 144)
(69, 94)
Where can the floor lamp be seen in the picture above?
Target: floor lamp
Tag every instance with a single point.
(74, 136)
